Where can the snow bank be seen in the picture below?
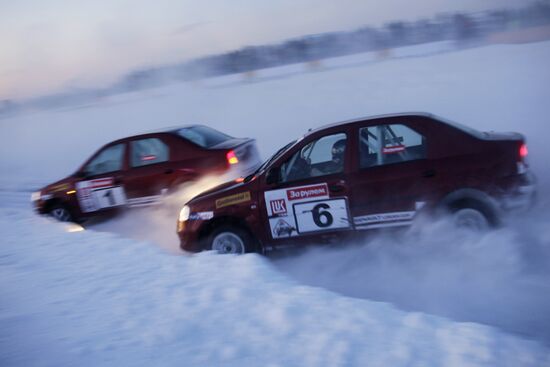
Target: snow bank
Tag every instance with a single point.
(89, 299)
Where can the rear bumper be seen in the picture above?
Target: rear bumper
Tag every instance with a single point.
(523, 197)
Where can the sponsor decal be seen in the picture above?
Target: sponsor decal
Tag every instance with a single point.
(384, 218)
(233, 199)
(394, 149)
(144, 200)
(283, 229)
(308, 192)
(60, 187)
(201, 216)
(101, 182)
(278, 207)
(146, 158)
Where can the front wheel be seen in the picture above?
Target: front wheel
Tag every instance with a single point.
(61, 213)
(230, 240)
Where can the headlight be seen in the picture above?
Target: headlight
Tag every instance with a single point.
(184, 213)
(35, 196)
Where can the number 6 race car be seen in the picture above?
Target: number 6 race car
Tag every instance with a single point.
(138, 170)
(361, 175)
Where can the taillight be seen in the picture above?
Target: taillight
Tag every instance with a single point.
(523, 151)
(231, 157)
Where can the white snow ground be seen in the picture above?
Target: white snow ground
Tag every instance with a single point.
(91, 298)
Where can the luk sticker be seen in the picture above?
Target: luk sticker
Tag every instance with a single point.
(233, 199)
(304, 209)
(278, 207)
(98, 194)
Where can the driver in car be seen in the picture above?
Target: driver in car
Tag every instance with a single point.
(335, 165)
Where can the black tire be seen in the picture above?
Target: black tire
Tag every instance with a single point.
(228, 239)
(61, 213)
(472, 216)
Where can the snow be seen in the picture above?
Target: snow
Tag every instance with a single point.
(87, 298)
(113, 295)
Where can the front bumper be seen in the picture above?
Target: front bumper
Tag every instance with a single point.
(39, 200)
(188, 234)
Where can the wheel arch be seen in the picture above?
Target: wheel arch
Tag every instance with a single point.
(51, 203)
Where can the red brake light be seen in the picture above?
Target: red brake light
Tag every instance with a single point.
(231, 157)
(523, 151)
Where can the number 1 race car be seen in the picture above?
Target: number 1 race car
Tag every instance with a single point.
(138, 170)
(361, 175)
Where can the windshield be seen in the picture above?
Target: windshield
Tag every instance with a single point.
(268, 161)
(204, 136)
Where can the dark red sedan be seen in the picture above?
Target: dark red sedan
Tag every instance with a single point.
(139, 170)
(361, 175)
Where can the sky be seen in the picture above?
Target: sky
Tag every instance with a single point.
(52, 45)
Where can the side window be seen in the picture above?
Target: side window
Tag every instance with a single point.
(148, 151)
(387, 144)
(108, 160)
(324, 156)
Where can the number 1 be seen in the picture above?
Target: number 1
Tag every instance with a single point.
(109, 196)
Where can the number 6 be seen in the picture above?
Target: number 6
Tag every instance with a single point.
(320, 211)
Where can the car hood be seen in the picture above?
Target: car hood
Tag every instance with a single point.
(61, 185)
(221, 190)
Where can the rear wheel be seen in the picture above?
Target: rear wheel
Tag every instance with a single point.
(61, 213)
(470, 219)
(230, 240)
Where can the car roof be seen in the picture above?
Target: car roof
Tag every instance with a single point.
(165, 130)
(374, 117)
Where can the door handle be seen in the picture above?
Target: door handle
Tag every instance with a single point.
(168, 171)
(429, 173)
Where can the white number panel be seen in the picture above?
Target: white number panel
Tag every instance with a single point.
(290, 210)
(322, 215)
(98, 194)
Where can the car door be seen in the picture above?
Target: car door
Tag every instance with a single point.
(389, 181)
(311, 197)
(150, 172)
(101, 188)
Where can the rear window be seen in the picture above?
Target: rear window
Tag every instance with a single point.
(204, 136)
(463, 128)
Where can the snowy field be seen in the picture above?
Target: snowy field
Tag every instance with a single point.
(119, 293)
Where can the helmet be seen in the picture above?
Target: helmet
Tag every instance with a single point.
(338, 150)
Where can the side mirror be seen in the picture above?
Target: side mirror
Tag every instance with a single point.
(273, 175)
(81, 174)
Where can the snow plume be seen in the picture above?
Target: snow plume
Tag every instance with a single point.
(500, 278)
(157, 223)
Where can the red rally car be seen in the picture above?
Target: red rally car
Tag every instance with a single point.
(139, 170)
(359, 175)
